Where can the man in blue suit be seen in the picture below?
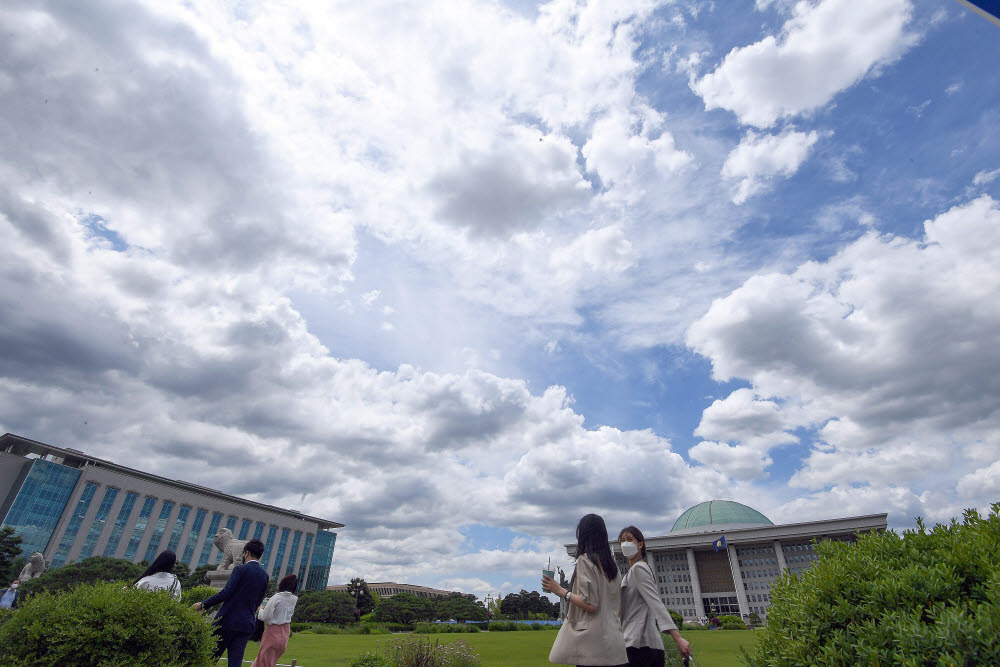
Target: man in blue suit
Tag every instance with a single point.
(240, 599)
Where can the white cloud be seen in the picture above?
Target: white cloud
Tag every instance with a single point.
(881, 348)
(984, 177)
(825, 48)
(737, 461)
(758, 159)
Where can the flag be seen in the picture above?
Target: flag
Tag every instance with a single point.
(720, 543)
(988, 9)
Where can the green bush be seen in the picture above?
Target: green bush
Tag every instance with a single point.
(920, 598)
(299, 627)
(732, 623)
(411, 651)
(677, 617)
(444, 628)
(88, 571)
(371, 659)
(108, 625)
(396, 627)
(196, 594)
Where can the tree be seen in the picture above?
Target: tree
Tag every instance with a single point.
(460, 608)
(404, 608)
(358, 590)
(198, 577)
(88, 571)
(923, 597)
(10, 548)
(528, 605)
(324, 607)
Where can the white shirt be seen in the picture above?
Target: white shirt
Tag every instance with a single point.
(278, 609)
(161, 581)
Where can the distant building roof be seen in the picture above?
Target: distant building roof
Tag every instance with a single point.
(716, 514)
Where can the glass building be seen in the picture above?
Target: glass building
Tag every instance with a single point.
(70, 506)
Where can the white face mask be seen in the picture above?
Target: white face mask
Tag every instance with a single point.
(630, 549)
(14, 586)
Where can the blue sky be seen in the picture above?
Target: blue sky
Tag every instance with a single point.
(456, 274)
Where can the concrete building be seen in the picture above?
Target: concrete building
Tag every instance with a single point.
(387, 589)
(70, 506)
(699, 580)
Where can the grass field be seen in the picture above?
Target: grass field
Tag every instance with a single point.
(711, 649)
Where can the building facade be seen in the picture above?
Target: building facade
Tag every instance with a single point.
(699, 580)
(70, 506)
(387, 589)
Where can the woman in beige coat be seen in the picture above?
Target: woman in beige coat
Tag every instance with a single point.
(591, 633)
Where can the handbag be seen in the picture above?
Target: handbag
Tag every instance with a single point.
(258, 631)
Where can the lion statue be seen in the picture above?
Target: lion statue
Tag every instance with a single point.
(34, 568)
(232, 550)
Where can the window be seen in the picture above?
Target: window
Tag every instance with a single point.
(40, 503)
(161, 525)
(123, 516)
(175, 536)
(280, 556)
(271, 532)
(245, 529)
(213, 528)
(96, 528)
(79, 512)
(192, 543)
(140, 527)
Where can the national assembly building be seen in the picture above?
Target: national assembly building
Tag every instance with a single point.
(722, 557)
(70, 506)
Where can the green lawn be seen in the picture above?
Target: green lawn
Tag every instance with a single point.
(711, 649)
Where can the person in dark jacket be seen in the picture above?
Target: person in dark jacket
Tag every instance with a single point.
(243, 594)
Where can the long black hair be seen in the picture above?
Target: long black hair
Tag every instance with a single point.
(162, 563)
(592, 540)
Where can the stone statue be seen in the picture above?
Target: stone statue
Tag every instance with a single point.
(563, 604)
(34, 568)
(232, 550)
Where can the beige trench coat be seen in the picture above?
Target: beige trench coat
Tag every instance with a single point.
(591, 639)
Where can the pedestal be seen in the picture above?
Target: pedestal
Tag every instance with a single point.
(217, 578)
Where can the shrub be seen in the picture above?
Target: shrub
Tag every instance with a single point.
(732, 623)
(677, 617)
(443, 628)
(88, 571)
(412, 651)
(105, 624)
(923, 597)
(299, 627)
(196, 594)
(371, 659)
(503, 626)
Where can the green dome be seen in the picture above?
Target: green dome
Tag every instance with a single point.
(718, 514)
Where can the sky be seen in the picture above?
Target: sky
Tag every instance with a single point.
(456, 274)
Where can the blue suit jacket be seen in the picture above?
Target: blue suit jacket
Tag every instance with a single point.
(240, 598)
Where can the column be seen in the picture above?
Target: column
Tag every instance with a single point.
(699, 606)
(741, 594)
(781, 556)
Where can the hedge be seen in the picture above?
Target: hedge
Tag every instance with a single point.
(920, 598)
(108, 625)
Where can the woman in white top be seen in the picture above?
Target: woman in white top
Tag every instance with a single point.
(591, 633)
(642, 609)
(159, 576)
(277, 616)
